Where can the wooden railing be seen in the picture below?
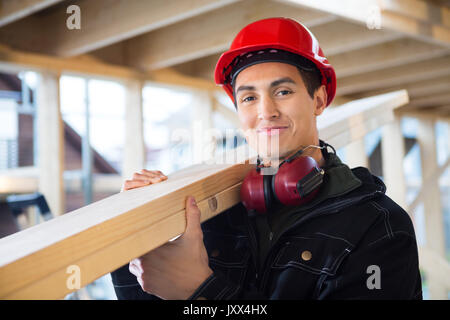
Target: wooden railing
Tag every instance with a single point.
(35, 263)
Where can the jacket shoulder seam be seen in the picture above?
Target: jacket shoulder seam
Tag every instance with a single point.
(390, 237)
(386, 213)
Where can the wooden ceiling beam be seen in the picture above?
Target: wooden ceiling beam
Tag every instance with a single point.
(208, 34)
(336, 38)
(367, 11)
(371, 59)
(415, 89)
(441, 113)
(85, 65)
(434, 100)
(400, 75)
(103, 22)
(420, 10)
(200, 68)
(342, 36)
(13, 10)
(385, 55)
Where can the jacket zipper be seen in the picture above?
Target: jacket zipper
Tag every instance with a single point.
(253, 244)
(312, 214)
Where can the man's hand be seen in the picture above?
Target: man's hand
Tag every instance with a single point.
(145, 178)
(176, 269)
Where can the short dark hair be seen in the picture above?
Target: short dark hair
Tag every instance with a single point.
(311, 79)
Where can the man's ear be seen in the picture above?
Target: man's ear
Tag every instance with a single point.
(320, 100)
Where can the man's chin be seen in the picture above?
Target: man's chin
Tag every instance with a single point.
(271, 155)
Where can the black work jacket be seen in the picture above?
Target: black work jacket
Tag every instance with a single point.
(358, 245)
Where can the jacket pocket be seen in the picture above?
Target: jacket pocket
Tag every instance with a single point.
(226, 250)
(316, 254)
(302, 263)
(228, 255)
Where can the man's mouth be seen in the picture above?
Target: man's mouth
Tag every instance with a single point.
(271, 130)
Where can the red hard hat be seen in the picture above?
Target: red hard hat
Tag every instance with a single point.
(277, 33)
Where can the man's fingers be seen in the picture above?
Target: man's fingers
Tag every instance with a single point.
(193, 215)
(153, 173)
(141, 180)
(132, 184)
(135, 268)
(148, 177)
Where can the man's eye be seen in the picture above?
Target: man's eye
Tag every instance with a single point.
(283, 92)
(248, 99)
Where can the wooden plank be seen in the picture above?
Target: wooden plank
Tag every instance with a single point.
(12, 10)
(50, 154)
(84, 232)
(109, 233)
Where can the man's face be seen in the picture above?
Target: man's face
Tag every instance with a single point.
(270, 96)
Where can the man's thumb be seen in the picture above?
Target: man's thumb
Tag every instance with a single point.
(192, 216)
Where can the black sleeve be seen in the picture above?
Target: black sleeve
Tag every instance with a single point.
(215, 287)
(218, 287)
(127, 287)
(396, 256)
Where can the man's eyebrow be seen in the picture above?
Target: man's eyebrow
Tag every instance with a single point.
(273, 84)
(280, 81)
(243, 88)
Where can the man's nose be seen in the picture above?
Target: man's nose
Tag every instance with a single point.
(268, 109)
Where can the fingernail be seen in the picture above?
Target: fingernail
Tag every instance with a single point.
(193, 201)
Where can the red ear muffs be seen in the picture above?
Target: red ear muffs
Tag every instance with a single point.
(296, 182)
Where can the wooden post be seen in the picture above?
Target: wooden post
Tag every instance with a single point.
(50, 142)
(392, 154)
(202, 126)
(434, 227)
(134, 150)
(356, 154)
(87, 159)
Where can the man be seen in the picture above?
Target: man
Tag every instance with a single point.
(350, 241)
